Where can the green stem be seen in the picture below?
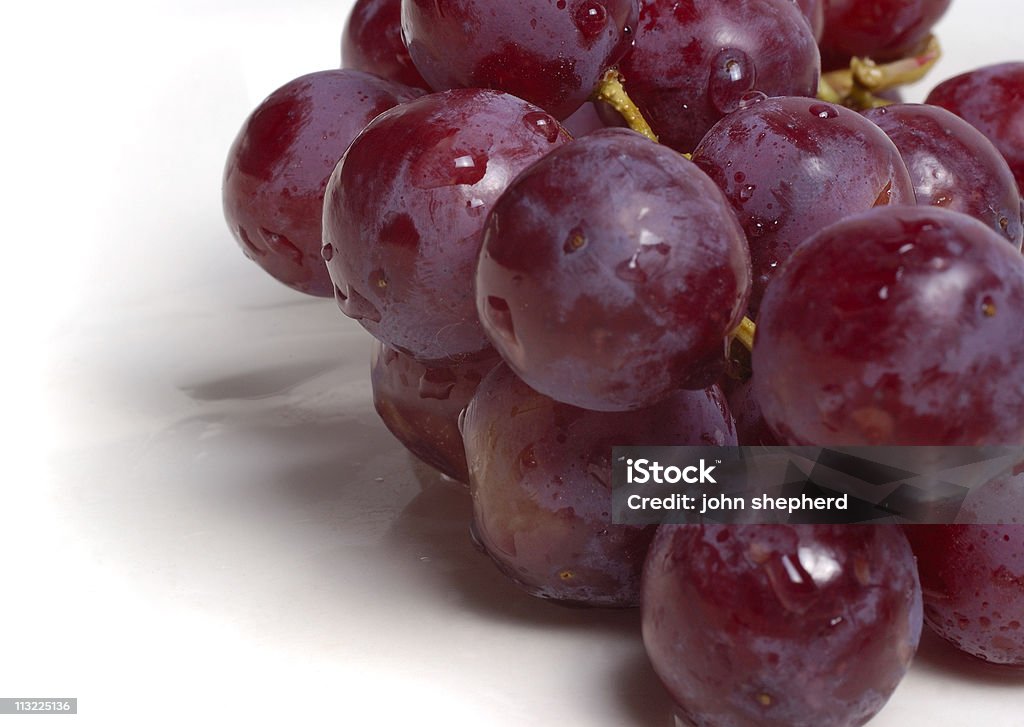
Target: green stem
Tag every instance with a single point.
(611, 91)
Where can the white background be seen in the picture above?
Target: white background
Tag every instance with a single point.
(201, 518)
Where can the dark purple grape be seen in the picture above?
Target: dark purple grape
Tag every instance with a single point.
(540, 476)
(780, 625)
(585, 120)
(550, 53)
(883, 30)
(372, 42)
(814, 11)
(751, 428)
(900, 326)
(405, 208)
(953, 165)
(684, 77)
(280, 161)
(611, 273)
(791, 166)
(972, 573)
(992, 100)
(421, 405)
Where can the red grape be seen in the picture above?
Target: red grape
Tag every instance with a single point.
(540, 474)
(612, 272)
(280, 161)
(900, 326)
(694, 62)
(972, 573)
(550, 53)
(421, 405)
(780, 625)
(883, 30)
(372, 42)
(992, 100)
(405, 207)
(791, 166)
(953, 165)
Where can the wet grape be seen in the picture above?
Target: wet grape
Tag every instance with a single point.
(550, 53)
(421, 405)
(611, 273)
(780, 625)
(992, 100)
(883, 30)
(404, 211)
(791, 166)
(280, 162)
(900, 326)
(972, 573)
(684, 77)
(540, 475)
(372, 42)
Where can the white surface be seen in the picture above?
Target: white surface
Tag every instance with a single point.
(202, 520)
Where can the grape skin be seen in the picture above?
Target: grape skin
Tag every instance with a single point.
(992, 100)
(954, 166)
(279, 164)
(972, 573)
(780, 625)
(421, 405)
(404, 210)
(899, 326)
(372, 41)
(684, 80)
(883, 30)
(540, 476)
(611, 273)
(791, 166)
(550, 53)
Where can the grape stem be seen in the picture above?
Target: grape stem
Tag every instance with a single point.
(611, 91)
(856, 86)
(744, 333)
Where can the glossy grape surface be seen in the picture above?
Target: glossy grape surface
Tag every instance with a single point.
(972, 573)
(791, 166)
(540, 476)
(684, 77)
(372, 42)
(953, 165)
(404, 211)
(751, 428)
(611, 273)
(900, 326)
(992, 100)
(550, 53)
(280, 161)
(421, 405)
(882, 30)
(780, 625)
(814, 11)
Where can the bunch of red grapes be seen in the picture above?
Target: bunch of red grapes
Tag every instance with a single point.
(544, 283)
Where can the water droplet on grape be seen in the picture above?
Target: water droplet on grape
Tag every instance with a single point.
(751, 98)
(591, 18)
(630, 271)
(527, 458)
(747, 191)
(542, 123)
(560, 4)
(327, 252)
(732, 78)
(824, 111)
